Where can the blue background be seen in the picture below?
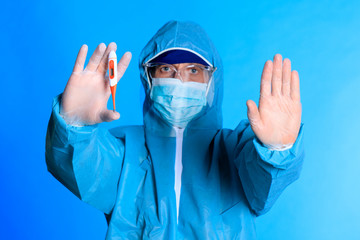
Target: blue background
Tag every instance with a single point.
(39, 44)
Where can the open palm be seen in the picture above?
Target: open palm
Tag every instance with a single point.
(87, 92)
(277, 120)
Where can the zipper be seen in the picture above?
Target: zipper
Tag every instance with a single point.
(178, 168)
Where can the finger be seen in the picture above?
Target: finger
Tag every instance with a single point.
(265, 86)
(102, 68)
(80, 59)
(96, 57)
(276, 75)
(286, 77)
(123, 64)
(253, 114)
(295, 86)
(109, 115)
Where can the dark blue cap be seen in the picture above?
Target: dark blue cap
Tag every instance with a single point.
(178, 56)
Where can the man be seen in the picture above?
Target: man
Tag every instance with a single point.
(180, 176)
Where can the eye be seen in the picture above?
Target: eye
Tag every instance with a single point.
(165, 69)
(194, 70)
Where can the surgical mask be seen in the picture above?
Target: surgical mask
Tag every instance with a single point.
(178, 102)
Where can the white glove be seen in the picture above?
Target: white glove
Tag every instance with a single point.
(276, 123)
(84, 100)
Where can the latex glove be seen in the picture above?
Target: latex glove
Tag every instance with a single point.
(84, 101)
(276, 123)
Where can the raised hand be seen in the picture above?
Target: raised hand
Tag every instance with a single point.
(84, 101)
(277, 120)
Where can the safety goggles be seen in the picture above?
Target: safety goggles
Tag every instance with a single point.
(188, 72)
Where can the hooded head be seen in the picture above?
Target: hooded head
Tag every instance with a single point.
(186, 36)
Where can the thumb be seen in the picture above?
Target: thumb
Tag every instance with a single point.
(253, 114)
(109, 115)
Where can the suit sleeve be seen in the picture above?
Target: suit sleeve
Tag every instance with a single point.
(87, 160)
(264, 173)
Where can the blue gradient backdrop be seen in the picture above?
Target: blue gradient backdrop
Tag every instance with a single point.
(39, 44)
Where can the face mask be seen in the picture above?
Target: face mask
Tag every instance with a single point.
(178, 102)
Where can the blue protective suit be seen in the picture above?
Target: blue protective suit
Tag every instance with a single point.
(159, 182)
